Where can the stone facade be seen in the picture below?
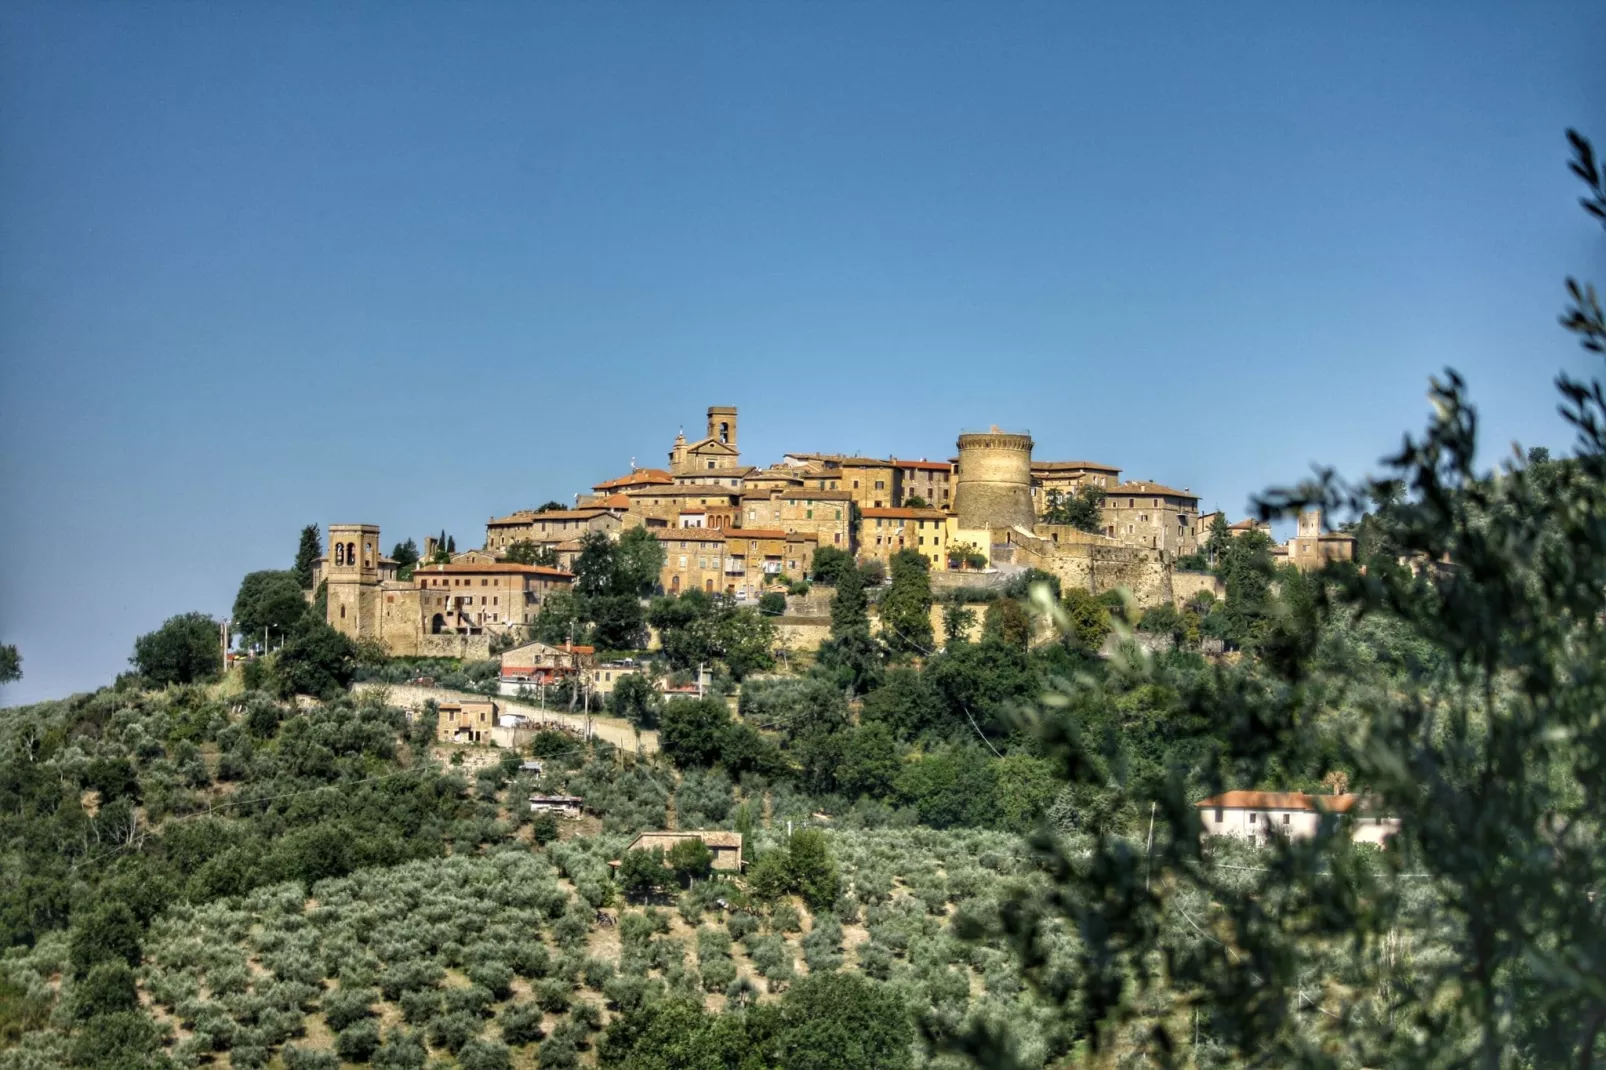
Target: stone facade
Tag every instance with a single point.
(1095, 563)
(1187, 585)
(398, 614)
(824, 513)
(489, 596)
(694, 560)
(664, 505)
(993, 487)
(1312, 548)
(930, 481)
(755, 557)
(715, 452)
(1153, 516)
(871, 483)
(884, 532)
(554, 526)
(1068, 478)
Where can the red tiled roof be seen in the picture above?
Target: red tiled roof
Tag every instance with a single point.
(904, 514)
(931, 466)
(770, 533)
(640, 477)
(1283, 800)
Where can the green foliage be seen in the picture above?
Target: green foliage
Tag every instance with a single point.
(772, 603)
(107, 932)
(906, 608)
(642, 873)
(1083, 509)
(268, 603)
(1088, 622)
(308, 550)
(907, 702)
(639, 561)
(636, 700)
(406, 556)
(186, 648)
(318, 660)
(1007, 622)
(10, 664)
(690, 859)
(526, 552)
(697, 628)
(829, 564)
(108, 989)
(1472, 938)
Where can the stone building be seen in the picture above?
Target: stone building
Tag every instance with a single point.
(884, 532)
(714, 452)
(1154, 516)
(1068, 478)
(554, 526)
(930, 481)
(543, 663)
(493, 597)
(871, 483)
(755, 557)
(410, 620)
(825, 513)
(725, 846)
(655, 506)
(694, 560)
(993, 485)
(1312, 548)
(1259, 817)
(638, 477)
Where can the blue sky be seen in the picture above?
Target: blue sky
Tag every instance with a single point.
(418, 264)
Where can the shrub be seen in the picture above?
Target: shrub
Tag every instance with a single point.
(358, 1042)
(299, 1058)
(108, 989)
(452, 1031)
(495, 977)
(520, 1023)
(343, 1007)
(484, 1055)
(402, 1050)
(475, 1000)
(544, 829)
(552, 996)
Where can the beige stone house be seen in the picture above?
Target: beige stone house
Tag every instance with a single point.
(930, 481)
(1153, 516)
(1312, 548)
(554, 526)
(694, 560)
(466, 721)
(884, 532)
(755, 557)
(726, 846)
(1068, 478)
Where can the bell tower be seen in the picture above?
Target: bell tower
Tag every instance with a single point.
(352, 569)
(722, 424)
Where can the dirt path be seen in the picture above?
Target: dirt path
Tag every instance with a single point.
(619, 732)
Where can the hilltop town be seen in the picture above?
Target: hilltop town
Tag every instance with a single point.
(727, 527)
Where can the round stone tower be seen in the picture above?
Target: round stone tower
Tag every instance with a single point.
(994, 487)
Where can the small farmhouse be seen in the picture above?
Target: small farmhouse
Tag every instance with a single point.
(727, 846)
(1257, 816)
(466, 722)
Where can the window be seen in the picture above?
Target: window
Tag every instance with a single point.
(1221, 815)
(683, 558)
(1252, 818)
(880, 484)
(855, 484)
(342, 612)
(1285, 819)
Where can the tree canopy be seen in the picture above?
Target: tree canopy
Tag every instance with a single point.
(186, 648)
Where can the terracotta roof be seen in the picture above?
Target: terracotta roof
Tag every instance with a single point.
(933, 466)
(612, 501)
(693, 511)
(1249, 524)
(469, 568)
(868, 462)
(640, 477)
(1071, 466)
(1143, 487)
(904, 514)
(1283, 800)
(690, 534)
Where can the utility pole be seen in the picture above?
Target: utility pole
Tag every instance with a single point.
(700, 679)
(225, 628)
